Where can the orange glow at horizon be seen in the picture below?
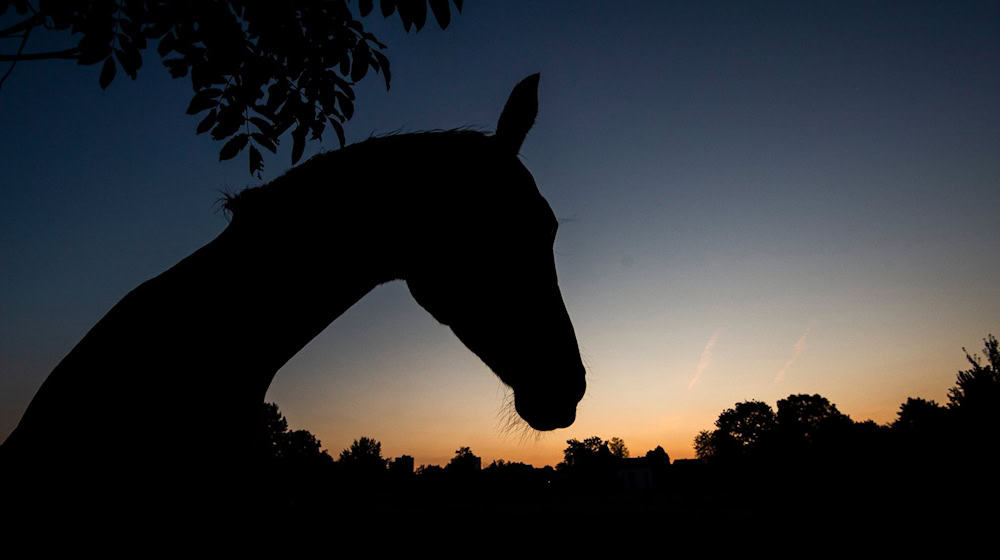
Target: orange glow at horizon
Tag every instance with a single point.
(429, 398)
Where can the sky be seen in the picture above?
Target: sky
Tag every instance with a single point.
(756, 200)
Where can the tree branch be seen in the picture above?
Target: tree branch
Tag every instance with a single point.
(27, 24)
(68, 53)
(24, 41)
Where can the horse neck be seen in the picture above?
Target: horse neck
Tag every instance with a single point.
(210, 333)
(286, 288)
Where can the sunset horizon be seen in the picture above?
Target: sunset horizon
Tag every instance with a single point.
(753, 201)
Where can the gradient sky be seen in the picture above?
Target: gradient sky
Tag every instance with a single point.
(756, 200)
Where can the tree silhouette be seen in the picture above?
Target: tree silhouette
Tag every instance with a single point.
(803, 417)
(401, 466)
(590, 463)
(617, 447)
(282, 444)
(364, 456)
(258, 68)
(917, 415)
(746, 423)
(706, 445)
(658, 456)
(430, 473)
(582, 453)
(752, 427)
(464, 462)
(273, 429)
(303, 445)
(738, 431)
(294, 469)
(977, 389)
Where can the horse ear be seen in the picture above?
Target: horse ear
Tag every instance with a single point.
(518, 114)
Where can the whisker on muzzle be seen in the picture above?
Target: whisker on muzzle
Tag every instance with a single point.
(510, 424)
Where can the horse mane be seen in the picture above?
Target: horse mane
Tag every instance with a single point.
(374, 150)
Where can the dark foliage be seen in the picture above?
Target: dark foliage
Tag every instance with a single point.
(364, 456)
(293, 466)
(812, 449)
(977, 389)
(805, 420)
(284, 445)
(617, 447)
(658, 457)
(401, 467)
(918, 416)
(581, 454)
(808, 463)
(591, 463)
(464, 462)
(745, 425)
(258, 69)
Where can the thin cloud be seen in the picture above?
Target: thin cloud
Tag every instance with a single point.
(800, 345)
(706, 358)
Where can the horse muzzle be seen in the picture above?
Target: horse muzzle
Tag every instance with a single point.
(549, 408)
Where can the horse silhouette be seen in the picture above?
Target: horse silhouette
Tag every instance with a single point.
(165, 390)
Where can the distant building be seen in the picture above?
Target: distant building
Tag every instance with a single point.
(643, 472)
(401, 466)
(636, 472)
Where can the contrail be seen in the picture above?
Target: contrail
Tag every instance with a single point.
(800, 345)
(706, 357)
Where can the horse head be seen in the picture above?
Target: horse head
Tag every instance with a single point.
(487, 270)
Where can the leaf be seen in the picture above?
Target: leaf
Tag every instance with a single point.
(373, 39)
(345, 64)
(265, 142)
(344, 86)
(202, 75)
(441, 12)
(107, 72)
(359, 66)
(282, 126)
(206, 124)
(339, 129)
(124, 41)
(94, 48)
(458, 5)
(130, 60)
(156, 30)
(277, 93)
(204, 99)
(406, 14)
(230, 120)
(262, 125)
(256, 161)
(233, 147)
(419, 14)
(345, 105)
(298, 142)
(384, 63)
(305, 112)
(178, 67)
(365, 7)
(388, 7)
(317, 129)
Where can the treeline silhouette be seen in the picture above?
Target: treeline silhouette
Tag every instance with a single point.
(804, 460)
